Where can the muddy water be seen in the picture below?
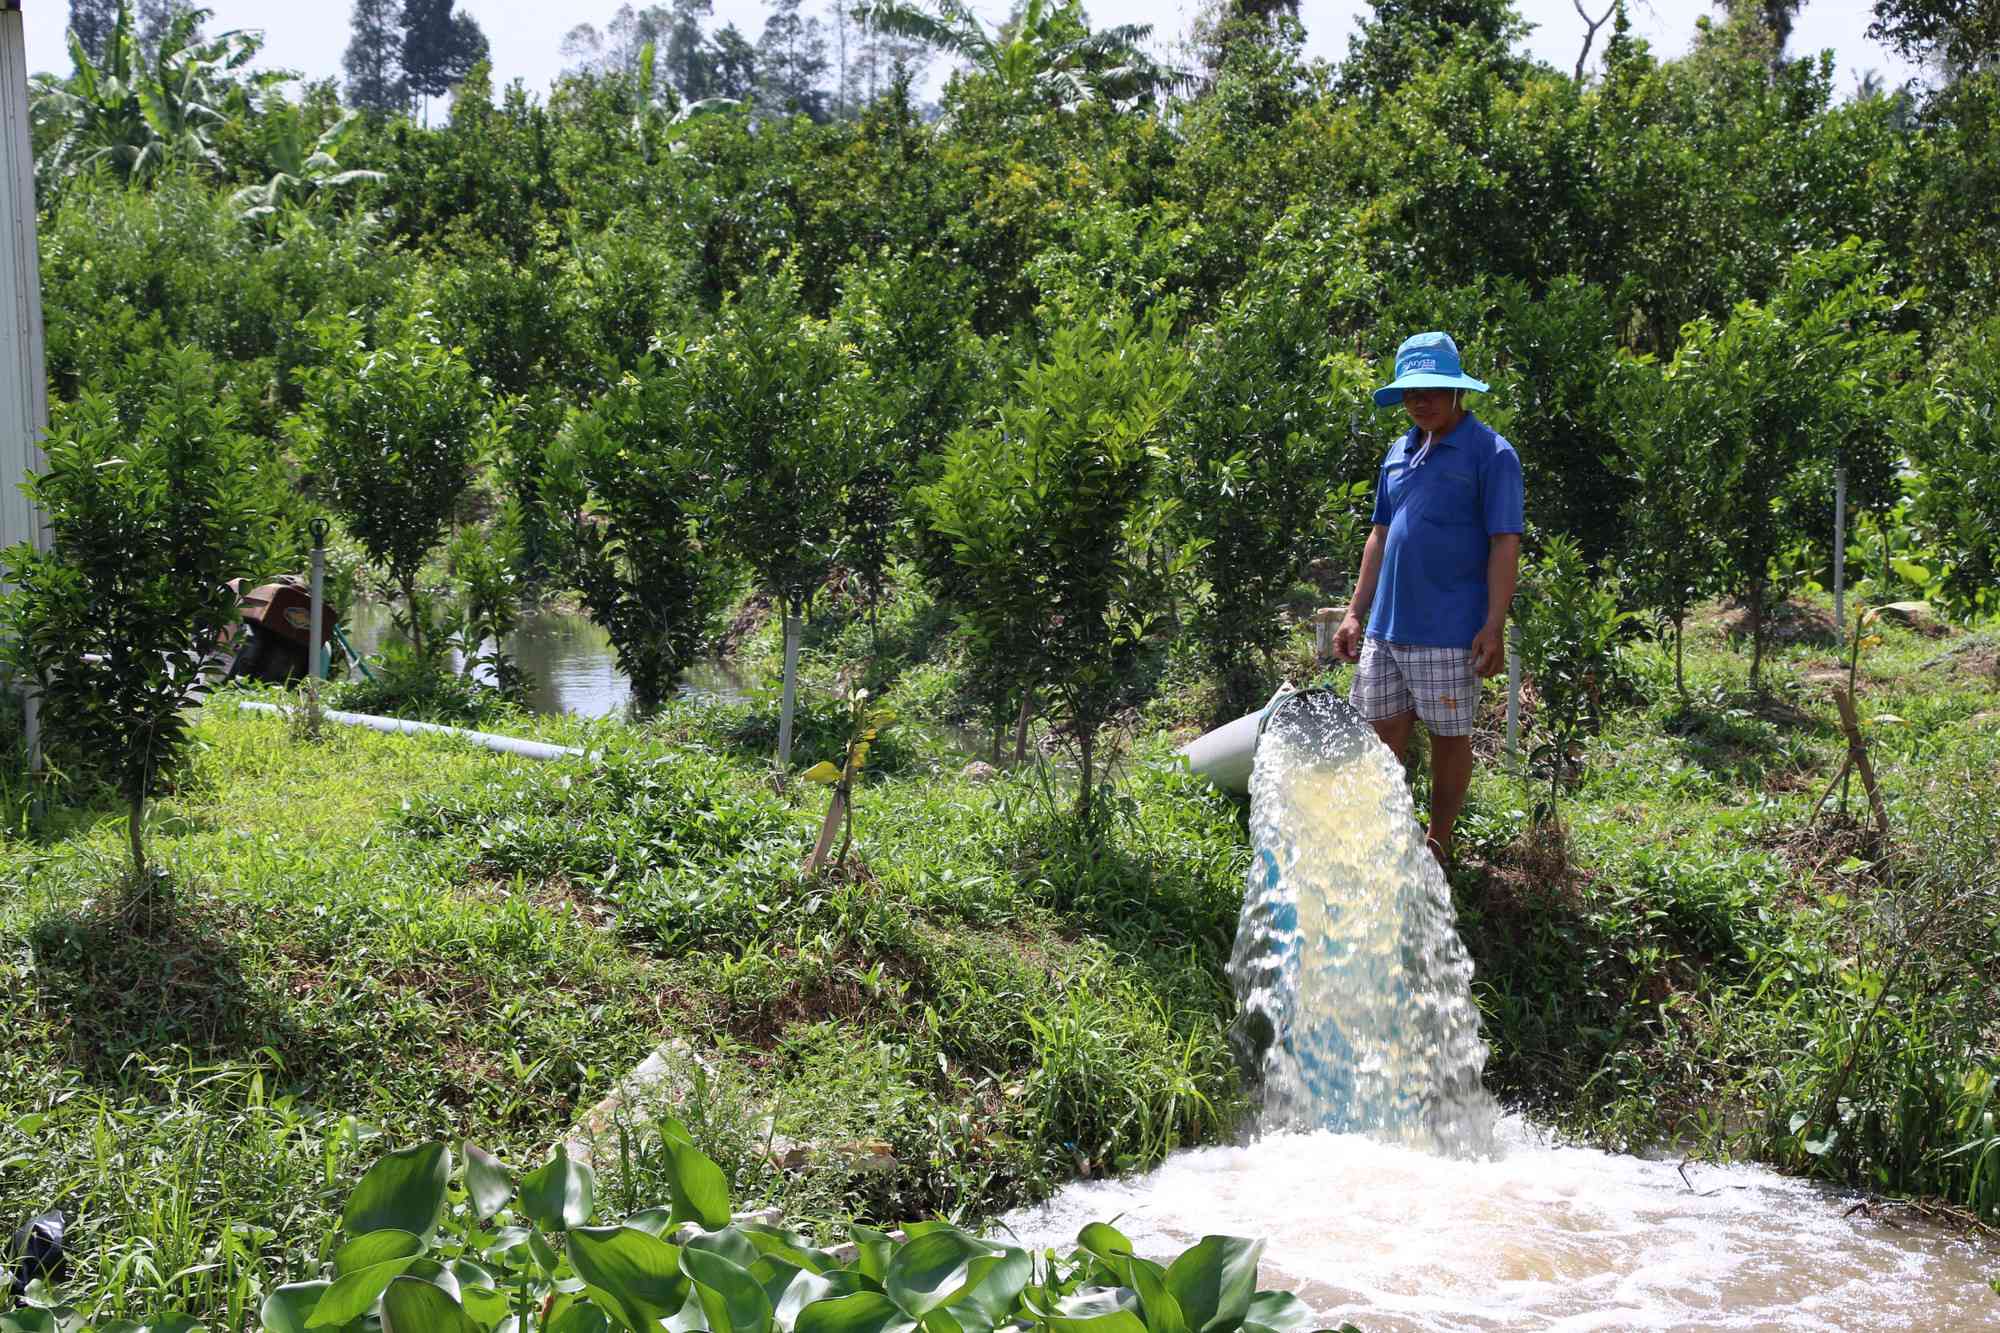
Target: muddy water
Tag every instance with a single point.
(1391, 1194)
(1395, 1240)
(569, 660)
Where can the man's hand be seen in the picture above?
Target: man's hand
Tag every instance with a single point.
(1347, 639)
(1489, 653)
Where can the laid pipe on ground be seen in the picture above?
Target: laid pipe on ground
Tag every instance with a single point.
(513, 745)
(1224, 756)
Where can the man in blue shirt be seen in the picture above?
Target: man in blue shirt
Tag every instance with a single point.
(1437, 574)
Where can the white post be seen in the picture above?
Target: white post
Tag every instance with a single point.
(24, 401)
(1513, 693)
(791, 684)
(317, 635)
(1840, 550)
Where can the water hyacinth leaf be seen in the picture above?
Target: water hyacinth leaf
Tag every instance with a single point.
(936, 1268)
(733, 1300)
(1157, 1305)
(412, 1306)
(561, 1194)
(544, 1254)
(402, 1192)
(1214, 1282)
(809, 1287)
(863, 1312)
(788, 1246)
(730, 1243)
(355, 1294)
(636, 1276)
(486, 1305)
(872, 1251)
(1097, 1310)
(673, 1130)
(701, 1192)
(992, 1296)
(1110, 1245)
(377, 1247)
(288, 1307)
(1279, 1311)
(652, 1221)
(579, 1319)
(489, 1183)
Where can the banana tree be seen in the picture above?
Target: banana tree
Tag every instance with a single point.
(1047, 53)
(132, 115)
(301, 171)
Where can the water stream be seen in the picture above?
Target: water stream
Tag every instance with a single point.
(1393, 1195)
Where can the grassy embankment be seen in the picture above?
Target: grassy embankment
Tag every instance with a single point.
(380, 940)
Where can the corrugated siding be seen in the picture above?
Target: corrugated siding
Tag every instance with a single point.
(23, 386)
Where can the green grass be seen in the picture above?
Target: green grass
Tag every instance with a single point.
(378, 940)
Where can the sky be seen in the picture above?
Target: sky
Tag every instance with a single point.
(526, 35)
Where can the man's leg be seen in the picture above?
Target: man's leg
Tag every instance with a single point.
(1395, 732)
(1451, 774)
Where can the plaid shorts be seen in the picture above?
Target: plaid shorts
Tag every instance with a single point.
(1439, 683)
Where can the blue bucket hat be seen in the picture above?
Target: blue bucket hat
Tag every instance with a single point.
(1426, 361)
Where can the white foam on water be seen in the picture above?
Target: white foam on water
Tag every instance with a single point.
(1393, 1196)
(1539, 1237)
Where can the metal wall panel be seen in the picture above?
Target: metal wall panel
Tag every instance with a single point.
(24, 404)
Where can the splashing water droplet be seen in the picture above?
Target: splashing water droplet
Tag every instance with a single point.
(1353, 987)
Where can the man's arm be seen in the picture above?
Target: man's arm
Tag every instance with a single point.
(1503, 570)
(1347, 639)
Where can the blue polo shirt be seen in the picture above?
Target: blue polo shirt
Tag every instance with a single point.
(1442, 507)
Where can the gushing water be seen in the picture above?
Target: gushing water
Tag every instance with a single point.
(1353, 987)
(1356, 1014)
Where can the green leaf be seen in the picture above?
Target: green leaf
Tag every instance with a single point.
(734, 1301)
(1110, 1245)
(809, 1287)
(700, 1191)
(1157, 1304)
(637, 1276)
(580, 1319)
(377, 1247)
(933, 1270)
(991, 1298)
(561, 1194)
(1097, 1310)
(1214, 1282)
(287, 1308)
(402, 1192)
(489, 1183)
(652, 1221)
(873, 1249)
(411, 1306)
(863, 1312)
(355, 1294)
(1281, 1312)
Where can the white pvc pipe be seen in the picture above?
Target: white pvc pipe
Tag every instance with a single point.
(395, 725)
(1226, 755)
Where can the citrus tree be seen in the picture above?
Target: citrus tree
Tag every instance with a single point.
(391, 429)
(626, 485)
(116, 621)
(1051, 509)
(1266, 448)
(777, 409)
